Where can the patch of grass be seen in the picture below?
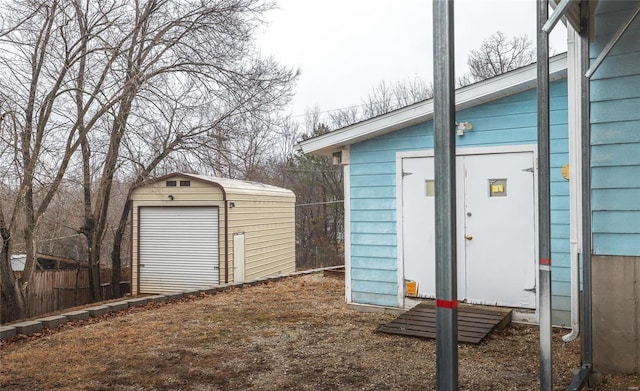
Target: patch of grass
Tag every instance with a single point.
(294, 334)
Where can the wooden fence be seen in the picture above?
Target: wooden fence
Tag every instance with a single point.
(55, 290)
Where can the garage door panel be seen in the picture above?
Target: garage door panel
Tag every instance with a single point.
(178, 248)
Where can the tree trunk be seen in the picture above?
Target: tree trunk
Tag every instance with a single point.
(15, 304)
(116, 264)
(93, 246)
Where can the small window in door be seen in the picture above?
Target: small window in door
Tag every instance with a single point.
(430, 187)
(497, 187)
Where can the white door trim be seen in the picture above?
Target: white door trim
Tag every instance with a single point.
(459, 152)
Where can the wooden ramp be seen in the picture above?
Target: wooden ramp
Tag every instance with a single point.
(474, 323)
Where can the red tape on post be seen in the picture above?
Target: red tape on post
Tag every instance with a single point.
(544, 261)
(447, 304)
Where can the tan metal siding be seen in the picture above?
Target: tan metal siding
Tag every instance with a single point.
(268, 222)
(266, 214)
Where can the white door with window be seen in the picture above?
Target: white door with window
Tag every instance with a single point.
(418, 217)
(496, 227)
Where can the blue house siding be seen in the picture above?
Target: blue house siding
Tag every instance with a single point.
(615, 140)
(508, 121)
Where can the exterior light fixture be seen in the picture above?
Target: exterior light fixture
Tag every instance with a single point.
(462, 126)
(170, 197)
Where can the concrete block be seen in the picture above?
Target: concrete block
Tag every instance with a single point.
(616, 301)
(51, 322)
(137, 302)
(7, 332)
(156, 298)
(100, 310)
(263, 280)
(222, 288)
(77, 315)
(28, 328)
(207, 291)
(118, 305)
(174, 296)
(190, 293)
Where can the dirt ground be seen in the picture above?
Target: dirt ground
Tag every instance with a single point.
(295, 334)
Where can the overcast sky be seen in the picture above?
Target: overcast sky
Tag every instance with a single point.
(344, 48)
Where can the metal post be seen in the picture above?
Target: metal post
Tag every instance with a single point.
(445, 197)
(587, 340)
(586, 369)
(544, 200)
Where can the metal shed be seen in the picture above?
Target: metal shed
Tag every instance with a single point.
(193, 231)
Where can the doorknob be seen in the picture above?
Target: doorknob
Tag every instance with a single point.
(468, 237)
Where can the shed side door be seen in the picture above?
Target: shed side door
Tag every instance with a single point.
(178, 248)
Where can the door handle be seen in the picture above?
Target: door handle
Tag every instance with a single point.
(468, 237)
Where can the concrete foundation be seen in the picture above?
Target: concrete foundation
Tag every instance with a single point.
(616, 314)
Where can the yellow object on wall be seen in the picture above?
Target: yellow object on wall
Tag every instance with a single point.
(565, 171)
(411, 288)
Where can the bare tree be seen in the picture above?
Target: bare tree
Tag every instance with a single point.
(383, 98)
(39, 50)
(497, 55)
(125, 84)
(386, 97)
(202, 51)
(317, 184)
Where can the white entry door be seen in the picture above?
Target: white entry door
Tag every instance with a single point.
(495, 224)
(418, 224)
(499, 229)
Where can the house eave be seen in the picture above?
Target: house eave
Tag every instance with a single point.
(510, 83)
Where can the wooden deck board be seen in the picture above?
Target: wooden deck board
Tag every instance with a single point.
(474, 324)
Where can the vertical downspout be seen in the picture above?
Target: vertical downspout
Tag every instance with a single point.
(544, 197)
(445, 197)
(574, 79)
(226, 232)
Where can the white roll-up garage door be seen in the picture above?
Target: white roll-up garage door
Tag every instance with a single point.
(178, 248)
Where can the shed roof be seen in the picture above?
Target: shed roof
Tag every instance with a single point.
(232, 186)
(488, 90)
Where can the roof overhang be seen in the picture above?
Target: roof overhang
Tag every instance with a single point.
(568, 10)
(510, 83)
